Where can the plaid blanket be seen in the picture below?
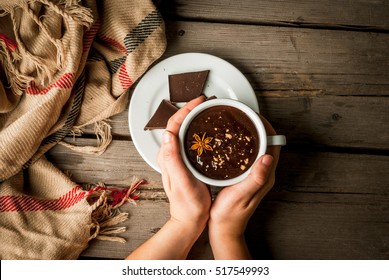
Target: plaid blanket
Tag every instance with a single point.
(64, 64)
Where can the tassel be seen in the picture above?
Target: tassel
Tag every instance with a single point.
(103, 136)
(12, 54)
(105, 214)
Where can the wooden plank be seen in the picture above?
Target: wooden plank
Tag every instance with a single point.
(359, 14)
(118, 165)
(146, 218)
(292, 61)
(304, 64)
(322, 172)
(298, 171)
(336, 121)
(356, 122)
(285, 226)
(325, 205)
(320, 226)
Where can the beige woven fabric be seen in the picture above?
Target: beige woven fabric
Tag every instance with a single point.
(64, 65)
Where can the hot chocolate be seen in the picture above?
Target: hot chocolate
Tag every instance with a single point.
(221, 142)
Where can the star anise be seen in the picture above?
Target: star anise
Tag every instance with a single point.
(201, 144)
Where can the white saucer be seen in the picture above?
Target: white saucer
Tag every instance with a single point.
(224, 81)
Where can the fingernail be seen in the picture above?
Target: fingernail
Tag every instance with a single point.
(267, 160)
(166, 137)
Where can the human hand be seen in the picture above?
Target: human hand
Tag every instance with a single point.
(234, 205)
(189, 198)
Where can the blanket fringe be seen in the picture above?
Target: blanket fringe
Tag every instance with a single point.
(106, 214)
(104, 137)
(71, 11)
(18, 81)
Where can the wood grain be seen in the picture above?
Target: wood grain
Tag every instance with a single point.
(118, 165)
(324, 205)
(298, 171)
(320, 70)
(324, 172)
(321, 87)
(348, 122)
(334, 121)
(327, 13)
(285, 226)
(320, 226)
(282, 61)
(146, 218)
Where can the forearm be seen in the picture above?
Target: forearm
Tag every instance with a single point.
(228, 247)
(173, 241)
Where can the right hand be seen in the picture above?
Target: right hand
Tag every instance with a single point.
(234, 205)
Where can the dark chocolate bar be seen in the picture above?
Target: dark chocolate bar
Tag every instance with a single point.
(161, 116)
(184, 87)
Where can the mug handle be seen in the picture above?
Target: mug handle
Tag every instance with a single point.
(276, 140)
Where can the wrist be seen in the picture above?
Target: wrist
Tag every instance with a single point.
(191, 229)
(173, 235)
(218, 233)
(191, 221)
(226, 230)
(227, 241)
(229, 247)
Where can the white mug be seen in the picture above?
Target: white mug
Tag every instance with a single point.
(265, 140)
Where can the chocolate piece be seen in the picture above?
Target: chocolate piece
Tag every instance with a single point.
(222, 142)
(184, 87)
(161, 116)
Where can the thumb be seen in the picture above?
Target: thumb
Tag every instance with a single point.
(258, 176)
(261, 170)
(169, 158)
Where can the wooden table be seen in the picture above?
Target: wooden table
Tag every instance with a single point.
(320, 70)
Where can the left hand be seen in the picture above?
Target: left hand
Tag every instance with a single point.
(189, 198)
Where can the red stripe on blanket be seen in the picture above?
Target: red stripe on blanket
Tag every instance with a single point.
(90, 35)
(11, 203)
(114, 43)
(65, 81)
(10, 44)
(124, 78)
